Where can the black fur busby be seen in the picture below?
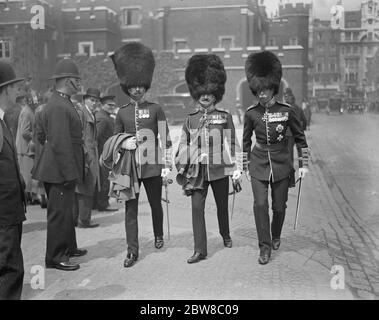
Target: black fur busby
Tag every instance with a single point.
(134, 64)
(205, 74)
(263, 71)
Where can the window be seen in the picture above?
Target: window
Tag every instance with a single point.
(293, 41)
(355, 36)
(320, 66)
(348, 36)
(5, 48)
(355, 49)
(333, 48)
(86, 48)
(131, 17)
(226, 42)
(179, 44)
(333, 65)
(320, 48)
(271, 42)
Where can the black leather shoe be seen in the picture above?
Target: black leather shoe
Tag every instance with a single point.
(158, 242)
(275, 244)
(65, 266)
(264, 256)
(79, 253)
(196, 258)
(87, 226)
(228, 243)
(130, 260)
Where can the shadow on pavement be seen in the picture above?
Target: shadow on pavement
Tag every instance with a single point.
(101, 293)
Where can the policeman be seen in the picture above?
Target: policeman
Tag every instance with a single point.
(202, 158)
(134, 64)
(61, 166)
(12, 196)
(269, 160)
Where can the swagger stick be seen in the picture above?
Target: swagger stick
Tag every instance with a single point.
(297, 204)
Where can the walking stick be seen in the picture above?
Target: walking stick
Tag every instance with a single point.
(166, 182)
(297, 204)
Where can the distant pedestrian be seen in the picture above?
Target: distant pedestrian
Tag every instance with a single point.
(307, 113)
(270, 162)
(12, 196)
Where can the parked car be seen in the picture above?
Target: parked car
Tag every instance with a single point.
(355, 106)
(176, 106)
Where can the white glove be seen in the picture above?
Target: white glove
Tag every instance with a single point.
(237, 174)
(165, 172)
(129, 144)
(302, 172)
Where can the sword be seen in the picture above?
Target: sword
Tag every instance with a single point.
(297, 204)
(236, 188)
(166, 182)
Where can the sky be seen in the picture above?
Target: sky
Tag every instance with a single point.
(321, 7)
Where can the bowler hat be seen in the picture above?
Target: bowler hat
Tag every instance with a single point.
(66, 68)
(92, 92)
(7, 75)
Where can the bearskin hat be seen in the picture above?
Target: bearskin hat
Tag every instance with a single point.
(134, 64)
(205, 74)
(263, 71)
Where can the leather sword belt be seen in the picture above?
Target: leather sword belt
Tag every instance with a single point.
(274, 146)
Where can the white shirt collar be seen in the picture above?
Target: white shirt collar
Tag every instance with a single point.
(90, 112)
(1, 114)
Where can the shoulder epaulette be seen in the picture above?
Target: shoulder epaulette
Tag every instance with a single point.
(284, 104)
(253, 106)
(194, 112)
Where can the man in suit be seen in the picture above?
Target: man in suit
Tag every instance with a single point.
(134, 64)
(86, 188)
(12, 196)
(61, 166)
(104, 129)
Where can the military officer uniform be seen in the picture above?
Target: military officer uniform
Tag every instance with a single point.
(134, 64)
(202, 158)
(269, 159)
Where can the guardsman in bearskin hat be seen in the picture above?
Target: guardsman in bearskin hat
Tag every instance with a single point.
(134, 64)
(12, 196)
(61, 166)
(269, 159)
(202, 159)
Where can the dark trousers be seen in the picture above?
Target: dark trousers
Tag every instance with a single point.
(279, 196)
(82, 209)
(11, 262)
(220, 190)
(153, 187)
(101, 197)
(61, 237)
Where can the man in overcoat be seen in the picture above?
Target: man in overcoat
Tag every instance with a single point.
(104, 130)
(12, 196)
(61, 166)
(85, 189)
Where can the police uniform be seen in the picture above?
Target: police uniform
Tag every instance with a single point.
(269, 159)
(134, 64)
(12, 204)
(202, 158)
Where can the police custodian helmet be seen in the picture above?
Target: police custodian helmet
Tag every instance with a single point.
(263, 71)
(205, 74)
(134, 64)
(66, 68)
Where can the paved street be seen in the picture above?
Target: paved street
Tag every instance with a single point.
(338, 226)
